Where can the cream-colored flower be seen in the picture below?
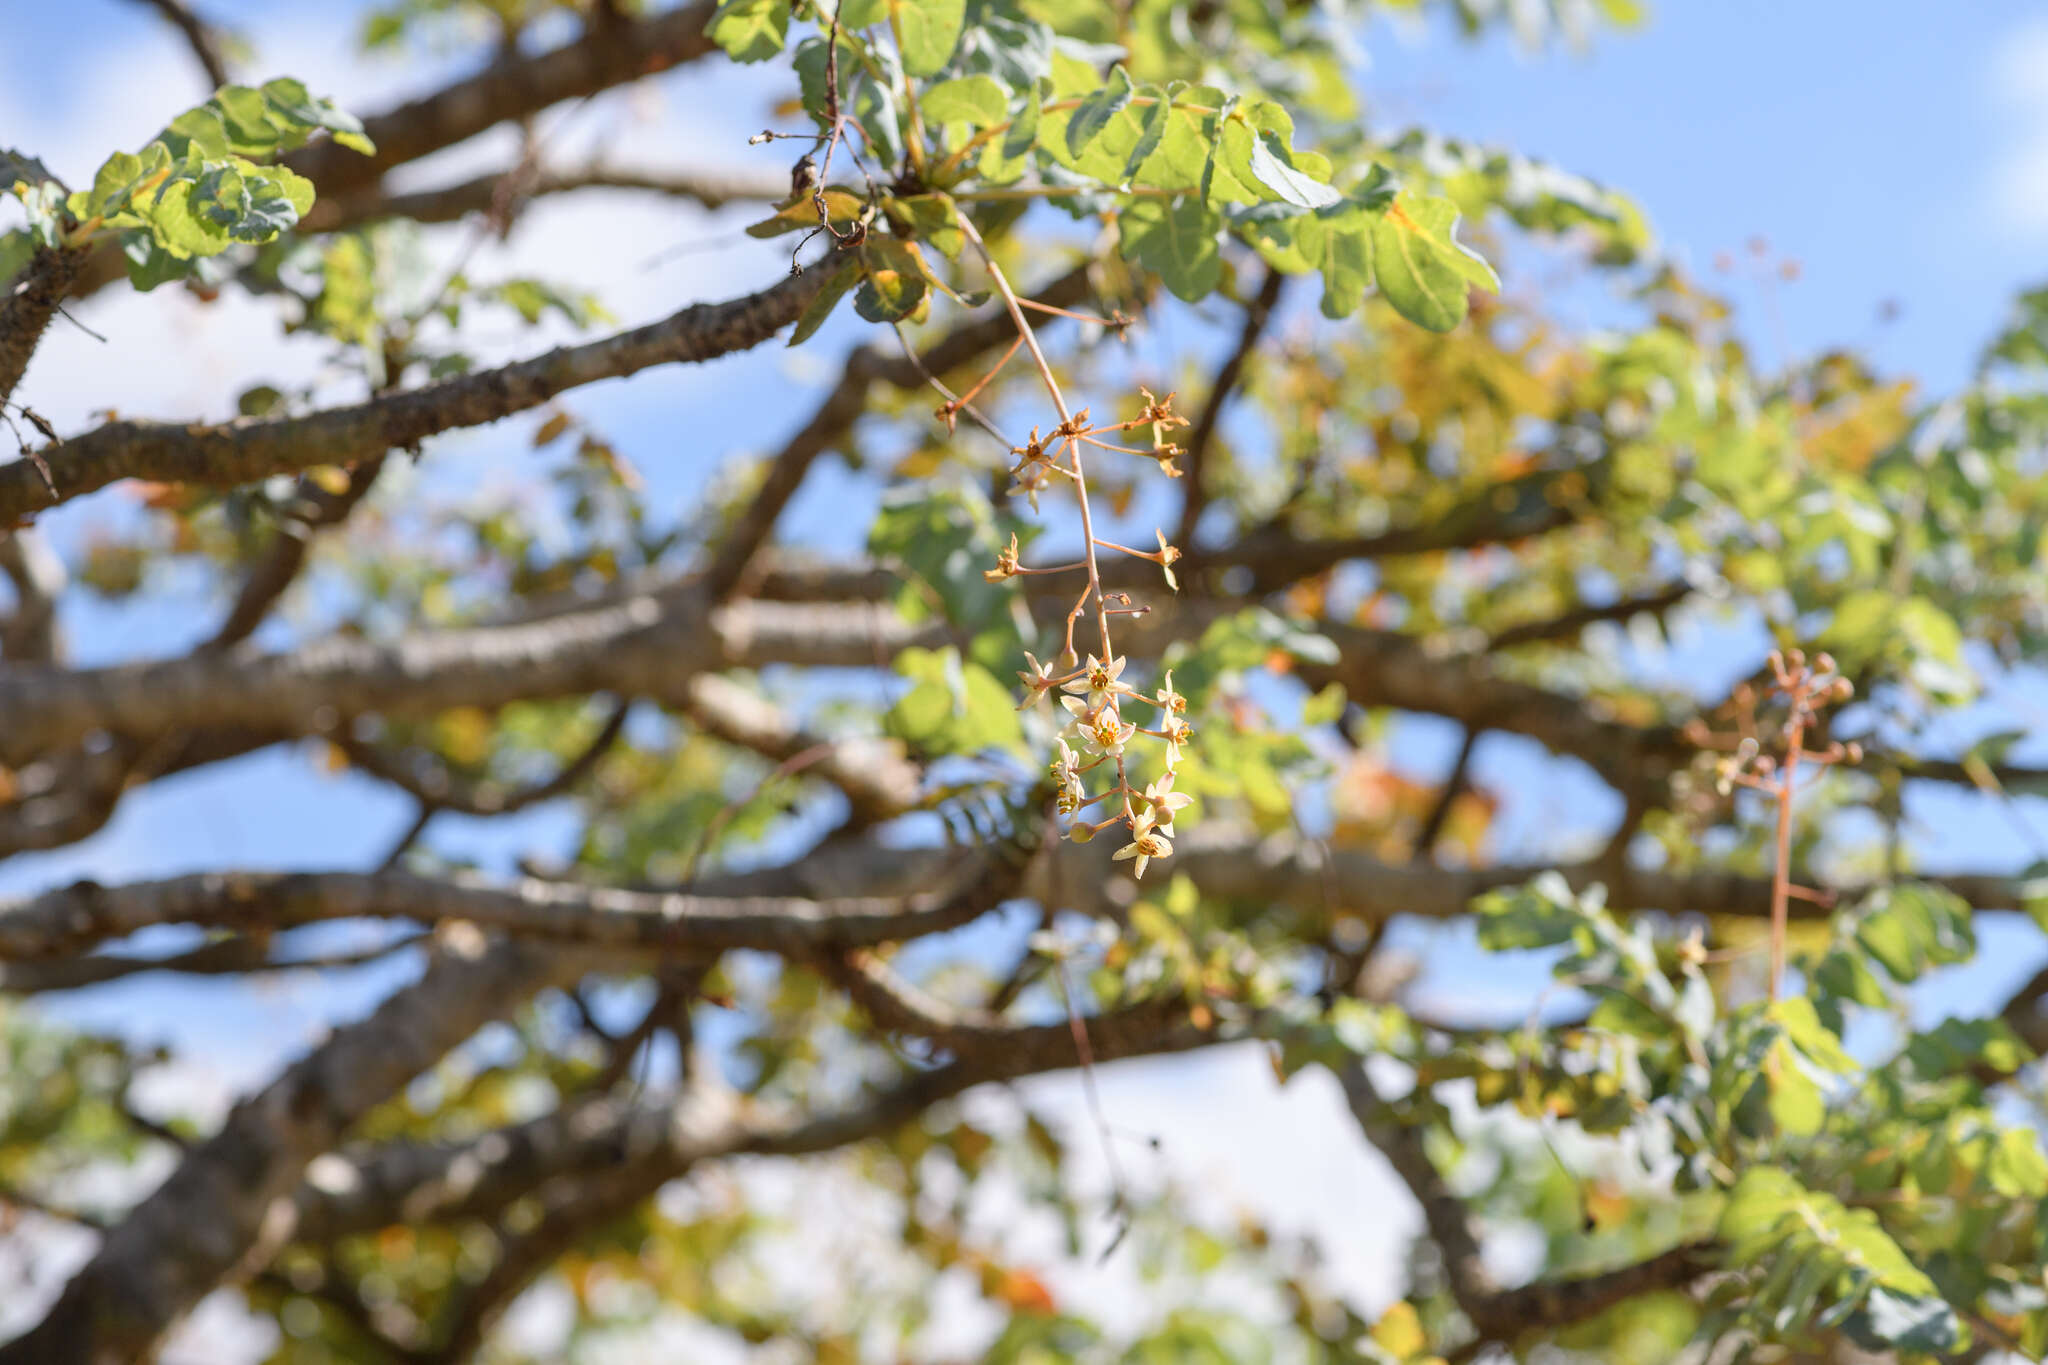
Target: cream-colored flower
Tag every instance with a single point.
(1099, 682)
(1161, 803)
(1145, 845)
(1037, 682)
(1066, 773)
(1170, 702)
(1177, 732)
(1107, 733)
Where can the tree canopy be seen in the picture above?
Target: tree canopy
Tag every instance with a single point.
(1199, 437)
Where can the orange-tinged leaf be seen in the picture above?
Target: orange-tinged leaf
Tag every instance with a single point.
(1023, 1292)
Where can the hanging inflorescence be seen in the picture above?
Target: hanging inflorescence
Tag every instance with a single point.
(1103, 711)
(1805, 691)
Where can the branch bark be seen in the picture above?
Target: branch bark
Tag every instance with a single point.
(515, 86)
(253, 448)
(227, 1208)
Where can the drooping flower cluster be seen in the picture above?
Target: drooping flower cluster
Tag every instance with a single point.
(1093, 694)
(1095, 702)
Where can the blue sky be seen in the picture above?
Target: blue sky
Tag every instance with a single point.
(1897, 151)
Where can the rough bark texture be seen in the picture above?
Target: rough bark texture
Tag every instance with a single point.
(255, 448)
(227, 1203)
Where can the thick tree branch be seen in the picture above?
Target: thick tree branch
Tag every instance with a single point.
(253, 448)
(512, 88)
(365, 1189)
(226, 1209)
(515, 86)
(861, 892)
(28, 302)
(451, 203)
(75, 917)
(248, 954)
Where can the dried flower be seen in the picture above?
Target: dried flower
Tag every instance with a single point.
(1033, 470)
(1037, 682)
(1177, 732)
(1167, 555)
(1160, 414)
(1006, 563)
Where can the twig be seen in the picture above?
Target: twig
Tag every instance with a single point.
(1203, 434)
(203, 38)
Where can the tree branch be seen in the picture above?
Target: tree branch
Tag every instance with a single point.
(451, 203)
(226, 1210)
(515, 86)
(254, 448)
(31, 299)
(75, 917)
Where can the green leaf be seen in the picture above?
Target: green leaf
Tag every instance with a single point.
(1913, 926)
(294, 109)
(16, 248)
(1889, 1320)
(182, 230)
(978, 101)
(750, 30)
(1150, 134)
(929, 218)
(1178, 239)
(1096, 110)
(956, 707)
(1347, 267)
(1797, 1017)
(1419, 265)
(927, 31)
(2016, 1168)
(1004, 159)
(1796, 1103)
(801, 214)
(1272, 165)
(1543, 914)
(821, 307)
(150, 263)
(943, 533)
(893, 285)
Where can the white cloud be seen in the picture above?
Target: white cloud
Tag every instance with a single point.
(2019, 88)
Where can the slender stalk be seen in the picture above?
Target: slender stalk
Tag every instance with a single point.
(1059, 402)
(1781, 874)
